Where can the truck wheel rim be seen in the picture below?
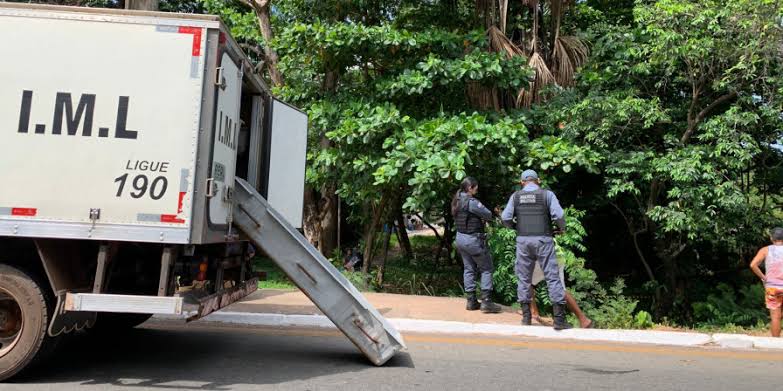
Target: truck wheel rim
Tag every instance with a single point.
(11, 322)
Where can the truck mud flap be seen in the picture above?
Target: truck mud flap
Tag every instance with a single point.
(224, 298)
(331, 292)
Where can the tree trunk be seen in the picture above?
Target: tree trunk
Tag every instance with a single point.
(271, 55)
(369, 236)
(449, 235)
(261, 9)
(312, 217)
(675, 301)
(386, 240)
(320, 219)
(484, 12)
(634, 232)
(402, 231)
(144, 5)
(329, 201)
(328, 221)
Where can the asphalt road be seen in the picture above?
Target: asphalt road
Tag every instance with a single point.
(166, 356)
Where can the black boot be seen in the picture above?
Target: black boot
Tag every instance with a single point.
(487, 306)
(560, 316)
(526, 317)
(473, 303)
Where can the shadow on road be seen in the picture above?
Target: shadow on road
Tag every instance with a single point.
(198, 358)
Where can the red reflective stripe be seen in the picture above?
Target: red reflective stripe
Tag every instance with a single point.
(179, 203)
(170, 219)
(24, 211)
(196, 31)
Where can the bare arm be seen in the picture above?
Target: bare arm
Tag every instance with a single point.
(556, 211)
(507, 216)
(754, 264)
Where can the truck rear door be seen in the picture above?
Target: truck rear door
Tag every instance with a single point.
(284, 154)
(226, 138)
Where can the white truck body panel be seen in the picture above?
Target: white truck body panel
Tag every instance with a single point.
(115, 125)
(131, 143)
(287, 158)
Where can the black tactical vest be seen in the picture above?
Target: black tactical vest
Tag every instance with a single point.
(531, 209)
(464, 221)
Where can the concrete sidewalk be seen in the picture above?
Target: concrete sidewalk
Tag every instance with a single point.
(428, 314)
(271, 301)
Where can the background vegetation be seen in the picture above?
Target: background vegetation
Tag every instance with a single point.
(658, 122)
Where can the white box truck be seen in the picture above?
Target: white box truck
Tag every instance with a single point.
(139, 155)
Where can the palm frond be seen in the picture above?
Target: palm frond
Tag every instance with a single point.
(543, 74)
(543, 77)
(568, 55)
(499, 43)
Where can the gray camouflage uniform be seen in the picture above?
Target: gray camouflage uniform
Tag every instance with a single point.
(532, 249)
(476, 257)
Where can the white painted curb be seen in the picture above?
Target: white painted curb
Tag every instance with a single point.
(747, 341)
(440, 326)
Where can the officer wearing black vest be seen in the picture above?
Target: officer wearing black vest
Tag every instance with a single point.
(469, 219)
(531, 211)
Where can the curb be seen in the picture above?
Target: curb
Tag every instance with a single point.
(670, 338)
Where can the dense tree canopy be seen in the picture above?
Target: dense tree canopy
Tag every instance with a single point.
(684, 109)
(667, 130)
(659, 121)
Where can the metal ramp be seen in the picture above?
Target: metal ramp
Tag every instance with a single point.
(331, 292)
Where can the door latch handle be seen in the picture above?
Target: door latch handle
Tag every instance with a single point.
(211, 187)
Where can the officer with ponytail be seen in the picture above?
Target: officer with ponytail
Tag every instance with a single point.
(470, 216)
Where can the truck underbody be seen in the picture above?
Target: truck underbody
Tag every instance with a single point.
(72, 285)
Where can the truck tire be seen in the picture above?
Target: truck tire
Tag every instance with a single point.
(111, 321)
(25, 309)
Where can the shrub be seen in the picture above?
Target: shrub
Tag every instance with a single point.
(611, 309)
(358, 280)
(615, 310)
(502, 244)
(744, 307)
(643, 320)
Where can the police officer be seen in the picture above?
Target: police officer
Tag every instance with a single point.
(534, 209)
(469, 218)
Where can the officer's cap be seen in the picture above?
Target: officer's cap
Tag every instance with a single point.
(528, 175)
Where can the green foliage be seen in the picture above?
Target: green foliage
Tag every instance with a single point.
(276, 284)
(743, 307)
(241, 21)
(502, 244)
(615, 311)
(404, 276)
(358, 280)
(669, 130)
(275, 278)
(683, 107)
(437, 152)
(643, 320)
(608, 308)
